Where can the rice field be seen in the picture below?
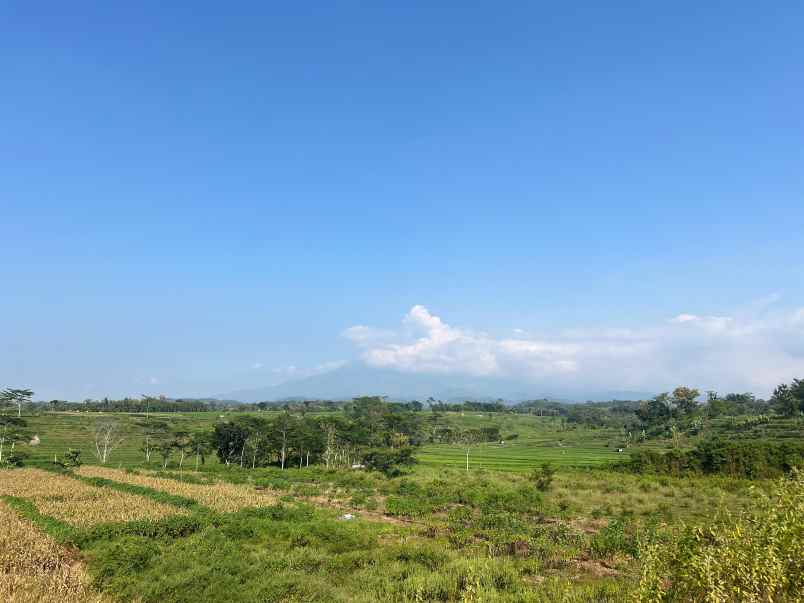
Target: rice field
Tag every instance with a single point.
(529, 442)
(35, 569)
(220, 496)
(76, 503)
(516, 457)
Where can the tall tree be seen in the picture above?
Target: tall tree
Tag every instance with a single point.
(685, 399)
(182, 442)
(797, 390)
(201, 446)
(154, 433)
(282, 429)
(468, 438)
(16, 397)
(784, 399)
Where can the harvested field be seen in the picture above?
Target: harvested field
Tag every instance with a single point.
(34, 568)
(77, 503)
(220, 496)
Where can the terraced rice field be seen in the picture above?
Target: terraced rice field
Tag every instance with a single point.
(34, 568)
(517, 457)
(220, 496)
(77, 503)
(530, 441)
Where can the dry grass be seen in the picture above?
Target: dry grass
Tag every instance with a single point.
(33, 568)
(595, 493)
(220, 496)
(77, 503)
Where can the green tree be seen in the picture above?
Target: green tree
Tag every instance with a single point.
(797, 391)
(784, 399)
(685, 399)
(201, 445)
(16, 397)
(12, 430)
(154, 433)
(182, 443)
(655, 411)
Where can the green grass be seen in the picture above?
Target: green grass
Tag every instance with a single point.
(61, 430)
(538, 440)
(438, 533)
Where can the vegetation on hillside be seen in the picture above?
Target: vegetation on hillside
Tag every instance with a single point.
(326, 503)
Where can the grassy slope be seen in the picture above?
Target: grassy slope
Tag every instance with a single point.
(539, 439)
(60, 431)
(312, 556)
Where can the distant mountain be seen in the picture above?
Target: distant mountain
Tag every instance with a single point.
(361, 380)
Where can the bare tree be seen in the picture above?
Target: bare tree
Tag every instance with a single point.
(468, 438)
(283, 426)
(108, 436)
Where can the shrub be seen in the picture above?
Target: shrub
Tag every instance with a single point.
(617, 537)
(751, 459)
(753, 557)
(390, 461)
(543, 477)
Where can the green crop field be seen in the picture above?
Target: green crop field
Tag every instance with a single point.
(527, 442)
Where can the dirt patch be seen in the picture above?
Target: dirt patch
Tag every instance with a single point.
(322, 501)
(589, 525)
(597, 568)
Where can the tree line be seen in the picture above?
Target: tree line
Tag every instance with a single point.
(367, 432)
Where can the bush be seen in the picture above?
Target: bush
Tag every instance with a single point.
(757, 556)
(72, 458)
(617, 537)
(15, 459)
(751, 459)
(543, 477)
(390, 461)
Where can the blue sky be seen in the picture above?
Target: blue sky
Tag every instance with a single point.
(196, 198)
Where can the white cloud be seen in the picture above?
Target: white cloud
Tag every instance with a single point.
(742, 353)
(153, 381)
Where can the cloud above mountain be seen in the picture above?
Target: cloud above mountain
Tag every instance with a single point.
(752, 350)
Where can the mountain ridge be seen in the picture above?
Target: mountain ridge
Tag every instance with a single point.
(354, 380)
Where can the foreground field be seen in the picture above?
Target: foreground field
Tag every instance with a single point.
(161, 522)
(77, 503)
(219, 496)
(315, 535)
(35, 569)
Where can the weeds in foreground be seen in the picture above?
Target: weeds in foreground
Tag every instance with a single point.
(757, 556)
